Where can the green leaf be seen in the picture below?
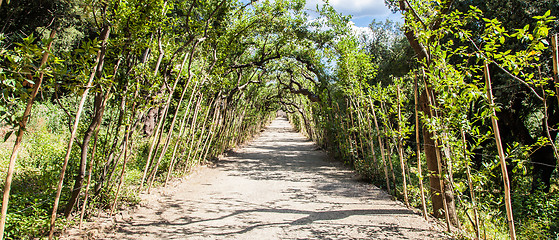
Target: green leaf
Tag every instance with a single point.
(8, 134)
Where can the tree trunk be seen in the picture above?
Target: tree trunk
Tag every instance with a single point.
(150, 121)
(443, 204)
(99, 105)
(98, 62)
(96, 133)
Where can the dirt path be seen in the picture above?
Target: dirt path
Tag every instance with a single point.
(277, 187)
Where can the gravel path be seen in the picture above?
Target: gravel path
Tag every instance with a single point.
(277, 187)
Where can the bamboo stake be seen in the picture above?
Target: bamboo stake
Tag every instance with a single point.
(158, 133)
(500, 150)
(180, 136)
(381, 145)
(354, 154)
(122, 172)
(199, 140)
(340, 123)
(19, 137)
(470, 185)
(431, 101)
(360, 125)
(389, 148)
(111, 150)
(390, 164)
(418, 148)
(555, 49)
(154, 144)
(211, 136)
(401, 147)
(89, 173)
(371, 142)
(215, 121)
(127, 147)
(364, 126)
(191, 131)
(171, 128)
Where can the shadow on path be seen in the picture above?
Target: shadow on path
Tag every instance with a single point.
(277, 187)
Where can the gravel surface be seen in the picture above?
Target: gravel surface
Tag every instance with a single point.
(277, 187)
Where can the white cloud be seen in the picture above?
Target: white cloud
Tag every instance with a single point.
(364, 32)
(362, 11)
(357, 8)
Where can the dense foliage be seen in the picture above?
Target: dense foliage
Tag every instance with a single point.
(100, 99)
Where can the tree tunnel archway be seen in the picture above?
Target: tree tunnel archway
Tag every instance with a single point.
(207, 75)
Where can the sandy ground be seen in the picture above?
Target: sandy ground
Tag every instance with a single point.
(277, 187)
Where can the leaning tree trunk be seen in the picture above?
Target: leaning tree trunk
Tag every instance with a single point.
(100, 55)
(99, 105)
(95, 141)
(432, 152)
(111, 151)
(436, 182)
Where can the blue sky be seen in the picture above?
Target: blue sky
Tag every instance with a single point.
(363, 11)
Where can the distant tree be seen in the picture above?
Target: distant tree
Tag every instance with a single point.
(390, 51)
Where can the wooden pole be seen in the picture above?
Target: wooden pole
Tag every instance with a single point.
(555, 48)
(192, 132)
(439, 167)
(401, 147)
(418, 148)
(470, 185)
(359, 125)
(381, 146)
(501, 152)
(388, 148)
(371, 142)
